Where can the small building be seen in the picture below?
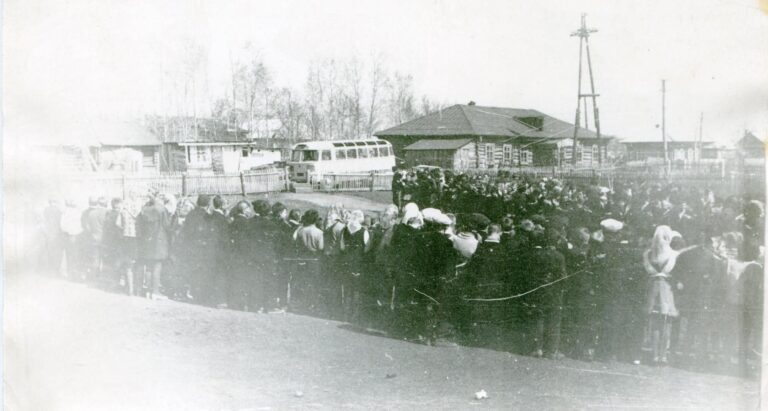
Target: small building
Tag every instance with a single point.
(680, 152)
(212, 146)
(127, 147)
(89, 145)
(478, 137)
(456, 154)
(749, 146)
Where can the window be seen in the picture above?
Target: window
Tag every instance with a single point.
(567, 152)
(526, 156)
(489, 148)
(383, 151)
(362, 152)
(326, 155)
(341, 154)
(304, 155)
(200, 154)
(352, 153)
(507, 154)
(245, 152)
(372, 152)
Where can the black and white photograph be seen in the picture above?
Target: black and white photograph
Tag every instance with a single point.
(247, 205)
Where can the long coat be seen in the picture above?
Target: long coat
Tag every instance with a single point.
(153, 233)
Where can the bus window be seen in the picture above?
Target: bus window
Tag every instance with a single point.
(326, 155)
(372, 152)
(341, 154)
(384, 151)
(362, 152)
(310, 155)
(352, 153)
(296, 156)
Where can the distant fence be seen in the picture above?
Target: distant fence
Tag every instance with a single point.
(177, 183)
(339, 182)
(726, 181)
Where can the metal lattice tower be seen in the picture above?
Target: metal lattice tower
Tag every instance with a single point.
(583, 34)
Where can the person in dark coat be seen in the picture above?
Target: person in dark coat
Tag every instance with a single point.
(544, 306)
(241, 262)
(200, 243)
(355, 242)
(93, 231)
(153, 244)
(435, 267)
(489, 271)
(113, 244)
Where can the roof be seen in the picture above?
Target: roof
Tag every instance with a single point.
(749, 141)
(472, 120)
(197, 130)
(90, 132)
(125, 134)
(439, 144)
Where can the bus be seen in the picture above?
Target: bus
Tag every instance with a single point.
(315, 158)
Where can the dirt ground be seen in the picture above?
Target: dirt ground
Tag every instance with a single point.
(71, 347)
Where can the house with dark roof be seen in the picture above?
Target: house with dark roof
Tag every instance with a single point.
(204, 145)
(749, 146)
(493, 137)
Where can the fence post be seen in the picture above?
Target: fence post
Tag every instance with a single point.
(373, 179)
(184, 184)
(242, 184)
(286, 180)
(125, 189)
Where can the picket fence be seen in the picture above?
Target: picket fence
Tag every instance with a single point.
(183, 184)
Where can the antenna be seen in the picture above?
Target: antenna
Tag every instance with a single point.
(583, 34)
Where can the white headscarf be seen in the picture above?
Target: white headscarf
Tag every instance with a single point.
(660, 244)
(411, 210)
(355, 221)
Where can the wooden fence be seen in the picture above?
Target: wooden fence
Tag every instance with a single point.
(373, 181)
(725, 182)
(183, 184)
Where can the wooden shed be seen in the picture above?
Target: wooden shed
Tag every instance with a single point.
(458, 154)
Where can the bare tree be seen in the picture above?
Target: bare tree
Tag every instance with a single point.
(401, 100)
(378, 81)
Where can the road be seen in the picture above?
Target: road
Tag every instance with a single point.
(71, 347)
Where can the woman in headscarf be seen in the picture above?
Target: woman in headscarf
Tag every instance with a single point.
(331, 290)
(355, 241)
(659, 261)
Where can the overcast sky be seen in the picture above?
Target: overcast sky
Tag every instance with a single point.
(78, 59)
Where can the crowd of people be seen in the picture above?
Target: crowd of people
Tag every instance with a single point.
(632, 272)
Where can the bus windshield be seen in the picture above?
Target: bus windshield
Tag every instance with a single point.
(304, 155)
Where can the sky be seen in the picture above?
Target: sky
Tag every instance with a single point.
(81, 59)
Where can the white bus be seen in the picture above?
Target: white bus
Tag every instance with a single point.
(315, 158)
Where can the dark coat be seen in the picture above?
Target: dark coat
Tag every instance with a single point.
(153, 233)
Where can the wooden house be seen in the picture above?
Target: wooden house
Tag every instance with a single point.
(479, 137)
(210, 146)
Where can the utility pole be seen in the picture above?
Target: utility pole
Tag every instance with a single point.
(701, 138)
(583, 33)
(664, 125)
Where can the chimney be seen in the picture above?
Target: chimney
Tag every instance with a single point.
(471, 103)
